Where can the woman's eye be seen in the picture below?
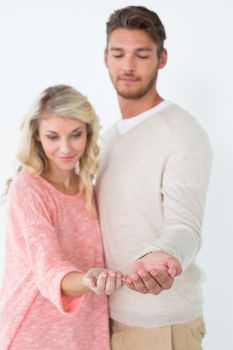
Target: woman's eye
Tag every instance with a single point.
(52, 137)
(77, 135)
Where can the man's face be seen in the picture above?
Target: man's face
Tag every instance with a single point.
(132, 60)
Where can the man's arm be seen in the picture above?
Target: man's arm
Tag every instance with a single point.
(183, 190)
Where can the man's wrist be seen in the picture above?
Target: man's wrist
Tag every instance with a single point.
(144, 255)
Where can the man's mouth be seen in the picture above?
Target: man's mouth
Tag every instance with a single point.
(128, 78)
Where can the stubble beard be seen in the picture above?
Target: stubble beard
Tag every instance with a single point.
(127, 93)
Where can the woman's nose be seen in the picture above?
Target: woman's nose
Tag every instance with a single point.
(65, 146)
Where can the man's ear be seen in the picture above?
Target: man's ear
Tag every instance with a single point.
(106, 57)
(163, 59)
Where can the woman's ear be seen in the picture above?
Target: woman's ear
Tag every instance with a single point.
(37, 136)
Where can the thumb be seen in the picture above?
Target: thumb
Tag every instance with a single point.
(89, 279)
(174, 267)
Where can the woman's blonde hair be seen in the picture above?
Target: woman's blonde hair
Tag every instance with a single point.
(66, 102)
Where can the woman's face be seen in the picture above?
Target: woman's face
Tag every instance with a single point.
(63, 141)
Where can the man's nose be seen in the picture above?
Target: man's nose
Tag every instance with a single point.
(129, 65)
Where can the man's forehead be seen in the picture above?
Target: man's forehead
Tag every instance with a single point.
(133, 39)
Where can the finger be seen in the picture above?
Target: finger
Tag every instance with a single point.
(130, 285)
(101, 283)
(174, 267)
(124, 279)
(89, 281)
(137, 283)
(119, 281)
(163, 278)
(110, 283)
(150, 282)
(92, 282)
(128, 281)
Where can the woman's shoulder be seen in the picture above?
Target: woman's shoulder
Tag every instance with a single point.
(29, 192)
(25, 178)
(25, 183)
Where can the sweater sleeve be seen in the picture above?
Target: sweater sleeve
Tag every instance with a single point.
(184, 186)
(38, 240)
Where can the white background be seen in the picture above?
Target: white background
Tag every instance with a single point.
(62, 41)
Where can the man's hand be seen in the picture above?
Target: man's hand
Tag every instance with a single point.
(153, 273)
(102, 281)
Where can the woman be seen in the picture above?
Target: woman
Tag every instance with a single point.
(54, 256)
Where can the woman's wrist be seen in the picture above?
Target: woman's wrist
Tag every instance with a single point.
(72, 284)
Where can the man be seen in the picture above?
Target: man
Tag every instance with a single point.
(151, 191)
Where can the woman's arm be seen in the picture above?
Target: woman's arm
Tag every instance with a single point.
(98, 280)
(72, 284)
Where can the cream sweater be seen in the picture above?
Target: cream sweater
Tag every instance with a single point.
(151, 191)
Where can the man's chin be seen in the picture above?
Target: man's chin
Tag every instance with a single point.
(130, 95)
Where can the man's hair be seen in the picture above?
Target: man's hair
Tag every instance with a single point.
(138, 17)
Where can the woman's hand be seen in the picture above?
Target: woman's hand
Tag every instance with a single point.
(102, 281)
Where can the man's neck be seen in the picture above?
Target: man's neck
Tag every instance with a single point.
(133, 107)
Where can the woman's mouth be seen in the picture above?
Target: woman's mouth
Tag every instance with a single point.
(66, 158)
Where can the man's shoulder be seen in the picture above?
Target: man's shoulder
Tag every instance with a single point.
(183, 128)
(177, 118)
(176, 113)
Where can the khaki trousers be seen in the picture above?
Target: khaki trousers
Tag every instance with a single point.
(185, 336)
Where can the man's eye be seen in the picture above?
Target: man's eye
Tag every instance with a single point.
(118, 56)
(143, 57)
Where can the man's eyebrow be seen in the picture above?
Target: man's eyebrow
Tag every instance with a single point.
(144, 49)
(139, 49)
(116, 49)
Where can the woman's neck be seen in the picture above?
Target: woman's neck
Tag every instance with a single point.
(64, 181)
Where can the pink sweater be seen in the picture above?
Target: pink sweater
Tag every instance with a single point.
(49, 235)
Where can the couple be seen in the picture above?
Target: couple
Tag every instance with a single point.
(150, 190)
